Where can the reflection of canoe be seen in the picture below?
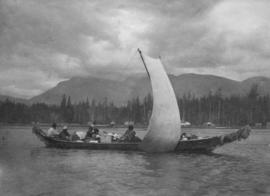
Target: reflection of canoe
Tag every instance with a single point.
(196, 145)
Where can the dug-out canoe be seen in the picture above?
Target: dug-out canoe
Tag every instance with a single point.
(203, 145)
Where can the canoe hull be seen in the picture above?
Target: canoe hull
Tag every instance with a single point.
(205, 145)
(92, 146)
(198, 145)
(51, 142)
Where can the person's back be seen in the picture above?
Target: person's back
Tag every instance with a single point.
(52, 132)
(64, 134)
(129, 135)
(90, 132)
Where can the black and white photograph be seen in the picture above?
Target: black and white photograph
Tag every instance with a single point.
(134, 97)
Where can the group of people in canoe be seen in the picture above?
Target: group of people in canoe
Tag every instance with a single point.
(92, 134)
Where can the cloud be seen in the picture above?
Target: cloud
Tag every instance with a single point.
(245, 30)
(22, 82)
(229, 39)
(50, 41)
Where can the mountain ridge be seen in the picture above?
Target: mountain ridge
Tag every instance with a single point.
(119, 92)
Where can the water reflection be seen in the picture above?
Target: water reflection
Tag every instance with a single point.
(28, 168)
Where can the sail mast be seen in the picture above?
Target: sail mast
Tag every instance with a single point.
(140, 52)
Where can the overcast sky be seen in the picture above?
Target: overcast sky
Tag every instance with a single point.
(44, 42)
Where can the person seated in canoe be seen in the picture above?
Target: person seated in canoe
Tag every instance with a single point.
(130, 135)
(183, 137)
(95, 134)
(64, 134)
(52, 131)
(90, 132)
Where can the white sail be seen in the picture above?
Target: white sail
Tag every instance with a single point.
(164, 128)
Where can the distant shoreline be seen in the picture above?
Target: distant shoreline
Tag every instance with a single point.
(117, 126)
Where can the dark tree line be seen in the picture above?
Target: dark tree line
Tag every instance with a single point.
(220, 110)
(229, 111)
(103, 112)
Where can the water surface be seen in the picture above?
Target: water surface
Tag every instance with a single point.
(28, 168)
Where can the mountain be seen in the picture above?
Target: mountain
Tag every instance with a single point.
(201, 85)
(119, 92)
(79, 89)
(262, 82)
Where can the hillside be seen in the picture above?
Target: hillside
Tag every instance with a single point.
(82, 88)
(262, 82)
(120, 91)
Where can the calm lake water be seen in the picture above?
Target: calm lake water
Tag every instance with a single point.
(28, 168)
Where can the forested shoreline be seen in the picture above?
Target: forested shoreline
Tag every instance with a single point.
(222, 111)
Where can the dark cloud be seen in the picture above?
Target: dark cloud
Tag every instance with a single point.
(49, 41)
